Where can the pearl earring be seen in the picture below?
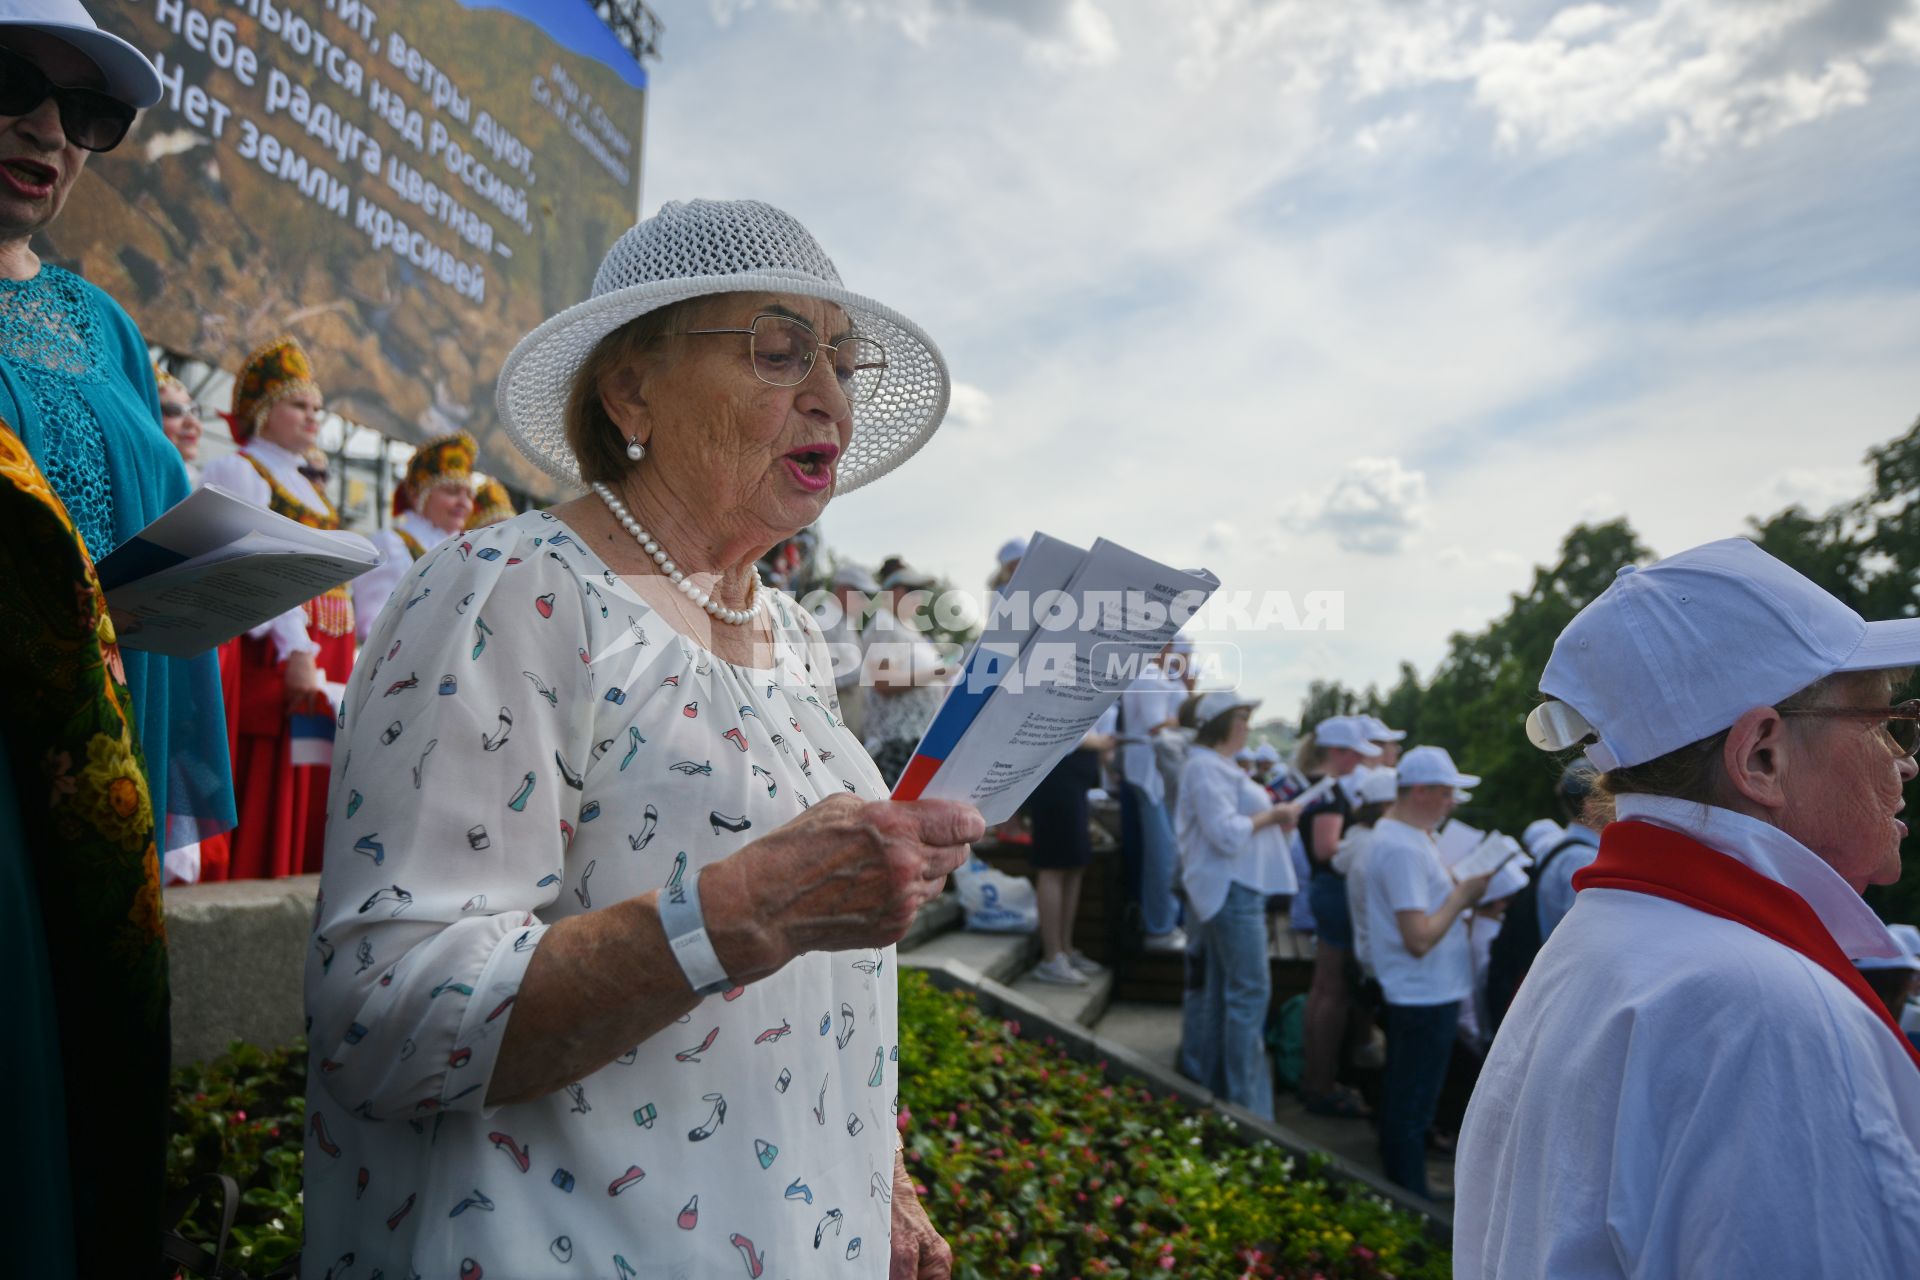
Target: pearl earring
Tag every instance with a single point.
(635, 449)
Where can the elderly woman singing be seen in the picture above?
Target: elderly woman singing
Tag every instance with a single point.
(602, 973)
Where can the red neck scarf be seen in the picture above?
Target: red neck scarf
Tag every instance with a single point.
(1644, 858)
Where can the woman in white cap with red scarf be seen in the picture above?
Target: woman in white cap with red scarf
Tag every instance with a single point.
(1694, 1080)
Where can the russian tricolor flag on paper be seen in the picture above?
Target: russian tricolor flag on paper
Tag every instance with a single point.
(310, 740)
(986, 667)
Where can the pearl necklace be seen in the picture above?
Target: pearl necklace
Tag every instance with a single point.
(675, 575)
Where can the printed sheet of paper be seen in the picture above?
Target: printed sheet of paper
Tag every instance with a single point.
(1456, 840)
(1493, 853)
(1072, 629)
(214, 566)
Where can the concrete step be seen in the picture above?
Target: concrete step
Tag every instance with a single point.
(1083, 1005)
(999, 956)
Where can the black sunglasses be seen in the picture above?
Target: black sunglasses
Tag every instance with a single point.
(93, 121)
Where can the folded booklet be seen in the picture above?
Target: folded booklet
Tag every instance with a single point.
(1067, 634)
(1493, 853)
(216, 565)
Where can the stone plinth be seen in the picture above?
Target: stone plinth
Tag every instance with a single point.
(236, 950)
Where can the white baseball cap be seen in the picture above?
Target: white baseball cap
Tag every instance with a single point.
(1432, 767)
(1909, 939)
(1218, 703)
(1541, 833)
(1345, 731)
(909, 578)
(849, 574)
(1267, 753)
(1379, 786)
(1377, 730)
(1010, 550)
(1678, 651)
(130, 77)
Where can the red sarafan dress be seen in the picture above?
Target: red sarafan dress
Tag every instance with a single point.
(282, 804)
(281, 755)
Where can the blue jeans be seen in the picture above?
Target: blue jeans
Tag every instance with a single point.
(1419, 1046)
(1147, 834)
(1224, 1040)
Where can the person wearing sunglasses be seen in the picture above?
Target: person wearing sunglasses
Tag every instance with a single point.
(1694, 1079)
(180, 419)
(629, 883)
(77, 390)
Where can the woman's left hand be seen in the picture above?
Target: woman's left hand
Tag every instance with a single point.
(919, 1252)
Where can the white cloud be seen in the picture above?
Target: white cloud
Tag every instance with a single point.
(1374, 507)
(1378, 135)
(1195, 294)
(969, 408)
(1815, 489)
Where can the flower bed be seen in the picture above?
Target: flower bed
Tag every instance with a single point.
(243, 1115)
(1029, 1162)
(1033, 1164)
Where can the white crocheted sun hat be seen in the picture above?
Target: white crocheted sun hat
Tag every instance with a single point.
(699, 247)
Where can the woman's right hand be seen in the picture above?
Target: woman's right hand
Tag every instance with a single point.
(846, 874)
(1472, 889)
(1285, 815)
(302, 681)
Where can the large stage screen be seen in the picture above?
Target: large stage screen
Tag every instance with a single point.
(405, 187)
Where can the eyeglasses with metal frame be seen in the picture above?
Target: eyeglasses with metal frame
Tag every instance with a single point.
(783, 351)
(1901, 721)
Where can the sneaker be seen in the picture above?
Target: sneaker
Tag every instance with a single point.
(1085, 963)
(1060, 972)
(1172, 941)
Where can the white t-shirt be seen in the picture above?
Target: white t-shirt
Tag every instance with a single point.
(1673, 1094)
(1404, 873)
(531, 742)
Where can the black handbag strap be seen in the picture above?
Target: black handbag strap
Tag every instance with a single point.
(197, 1258)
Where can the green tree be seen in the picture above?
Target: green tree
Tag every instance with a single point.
(1867, 552)
(1400, 705)
(1326, 698)
(1477, 702)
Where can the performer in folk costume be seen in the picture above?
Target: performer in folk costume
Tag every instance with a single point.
(491, 505)
(431, 505)
(279, 719)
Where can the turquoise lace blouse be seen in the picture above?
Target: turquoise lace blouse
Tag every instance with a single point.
(77, 385)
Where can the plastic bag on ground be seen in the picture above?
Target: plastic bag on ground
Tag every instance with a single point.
(994, 901)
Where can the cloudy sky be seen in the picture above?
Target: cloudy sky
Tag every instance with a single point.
(1378, 297)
